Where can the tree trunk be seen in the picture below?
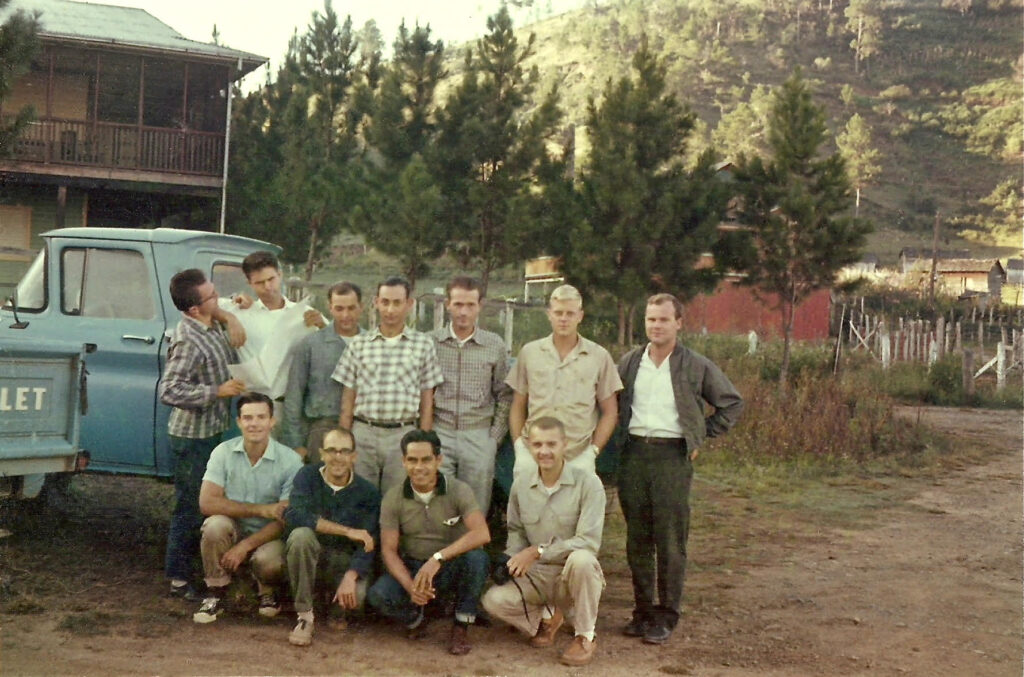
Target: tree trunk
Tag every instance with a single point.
(788, 313)
(856, 204)
(621, 307)
(631, 324)
(856, 51)
(311, 254)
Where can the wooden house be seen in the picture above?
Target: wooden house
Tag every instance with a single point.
(130, 127)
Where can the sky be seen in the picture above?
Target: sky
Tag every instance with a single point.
(264, 26)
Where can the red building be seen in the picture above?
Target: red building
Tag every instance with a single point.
(734, 309)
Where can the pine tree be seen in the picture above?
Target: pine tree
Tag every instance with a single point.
(860, 156)
(863, 19)
(646, 219)
(492, 158)
(19, 44)
(793, 205)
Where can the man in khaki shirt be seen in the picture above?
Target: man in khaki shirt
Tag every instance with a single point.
(568, 377)
(555, 518)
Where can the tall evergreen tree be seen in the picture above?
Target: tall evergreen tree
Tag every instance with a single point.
(860, 156)
(400, 210)
(864, 21)
(492, 158)
(646, 218)
(18, 45)
(795, 205)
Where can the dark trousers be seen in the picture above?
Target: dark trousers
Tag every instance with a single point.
(654, 491)
(463, 577)
(189, 458)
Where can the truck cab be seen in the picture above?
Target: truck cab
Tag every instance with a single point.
(106, 289)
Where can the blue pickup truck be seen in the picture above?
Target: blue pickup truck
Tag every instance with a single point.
(97, 297)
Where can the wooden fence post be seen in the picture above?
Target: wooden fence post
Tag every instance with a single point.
(509, 317)
(438, 313)
(933, 351)
(981, 338)
(968, 372)
(752, 342)
(940, 334)
(1000, 366)
(959, 337)
(886, 354)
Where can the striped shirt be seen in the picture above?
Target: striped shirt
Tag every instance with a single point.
(474, 393)
(389, 375)
(197, 363)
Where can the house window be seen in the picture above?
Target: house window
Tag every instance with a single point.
(15, 233)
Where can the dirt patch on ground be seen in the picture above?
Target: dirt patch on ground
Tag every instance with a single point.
(923, 581)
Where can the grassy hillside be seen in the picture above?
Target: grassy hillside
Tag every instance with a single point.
(925, 92)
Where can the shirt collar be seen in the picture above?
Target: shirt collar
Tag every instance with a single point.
(582, 346)
(440, 489)
(270, 454)
(566, 478)
(375, 334)
(472, 337)
(323, 475)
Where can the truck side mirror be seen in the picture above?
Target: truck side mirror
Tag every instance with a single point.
(12, 301)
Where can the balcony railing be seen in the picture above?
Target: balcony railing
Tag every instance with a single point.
(120, 146)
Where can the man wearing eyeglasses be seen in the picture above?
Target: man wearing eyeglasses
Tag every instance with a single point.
(333, 520)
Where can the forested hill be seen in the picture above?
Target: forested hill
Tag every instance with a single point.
(938, 83)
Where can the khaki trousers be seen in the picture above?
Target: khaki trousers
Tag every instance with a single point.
(220, 534)
(575, 588)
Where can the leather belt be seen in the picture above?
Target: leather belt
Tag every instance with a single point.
(660, 441)
(390, 425)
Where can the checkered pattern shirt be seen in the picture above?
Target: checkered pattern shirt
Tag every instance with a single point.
(197, 363)
(474, 393)
(388, 377)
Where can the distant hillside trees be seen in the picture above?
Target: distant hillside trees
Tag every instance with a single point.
(860, 155)
(18, 45)
(795, 204)
(646, 218)
(864, 21)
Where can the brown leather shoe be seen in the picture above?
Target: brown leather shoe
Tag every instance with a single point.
(580, 652)
(458, 644)
(546, 632)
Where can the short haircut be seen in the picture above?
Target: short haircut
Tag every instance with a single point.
(343, 431)
(417, 435)
(566, 292)
(658, 299)
(343, 288)
(253, 398)
(547, 423)
(185, 288)
(465, 282)
(396, 281)
(258, 261)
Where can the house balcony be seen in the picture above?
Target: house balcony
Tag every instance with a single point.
(123, 152)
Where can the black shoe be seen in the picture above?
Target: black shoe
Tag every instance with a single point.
(185, 592)
(657, 634)
(637, 627)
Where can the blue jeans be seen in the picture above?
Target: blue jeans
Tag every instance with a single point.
(189, 458)
(463, 577)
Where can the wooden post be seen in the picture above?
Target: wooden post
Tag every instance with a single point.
(886, 354)
(438, 313)
(940, 334)
(968, 372)
(959, 337)
(752, 342)
(933, 350)
(981, 338)
(1000, 366)
(509, 317)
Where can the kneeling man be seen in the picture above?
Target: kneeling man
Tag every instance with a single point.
(333, 515)
(432, 535)
(244, 493)
(555, 518)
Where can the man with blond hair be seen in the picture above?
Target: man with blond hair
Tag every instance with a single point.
(662, 409)
(568, 377)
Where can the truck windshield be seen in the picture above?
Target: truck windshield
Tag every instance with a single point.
(32, 288)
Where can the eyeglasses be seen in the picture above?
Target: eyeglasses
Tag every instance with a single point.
(332, 451)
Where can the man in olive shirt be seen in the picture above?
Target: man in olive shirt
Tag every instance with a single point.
(432, 535)
(568, 377)
(555, 518)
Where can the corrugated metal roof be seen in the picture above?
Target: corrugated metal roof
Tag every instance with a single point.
(121, 25)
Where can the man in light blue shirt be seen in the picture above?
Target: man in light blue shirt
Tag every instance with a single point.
(312, 401)
(244, 494)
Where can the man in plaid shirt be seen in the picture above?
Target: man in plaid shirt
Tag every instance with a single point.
(471, 406)
(389, 375)
(196, 383)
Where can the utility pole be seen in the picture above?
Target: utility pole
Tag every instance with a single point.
(935, 260)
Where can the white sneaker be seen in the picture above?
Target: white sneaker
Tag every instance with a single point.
(302, 633)
(208, 611)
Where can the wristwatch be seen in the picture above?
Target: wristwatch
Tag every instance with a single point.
(540, 551)
(438, 556)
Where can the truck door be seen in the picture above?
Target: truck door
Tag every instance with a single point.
(111, 288)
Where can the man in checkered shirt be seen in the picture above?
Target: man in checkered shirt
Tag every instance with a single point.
(389, 375)
(471, 406)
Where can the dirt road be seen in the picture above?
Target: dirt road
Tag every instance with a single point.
(919, 576)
